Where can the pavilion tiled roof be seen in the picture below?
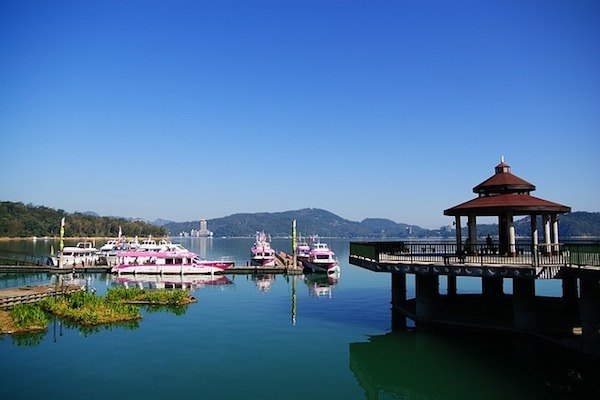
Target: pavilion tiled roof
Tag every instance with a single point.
(503, 183)
(503, 192)
(519, 204)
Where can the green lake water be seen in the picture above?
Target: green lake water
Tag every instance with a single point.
(278, 337)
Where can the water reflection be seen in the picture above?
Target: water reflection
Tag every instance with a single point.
(321, 285)
(154, 281)
(263, 282)
(427, 365)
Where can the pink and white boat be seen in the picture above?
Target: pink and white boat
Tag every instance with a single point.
(261, 253)
(302, 250)
(168, 260)
(321, 259)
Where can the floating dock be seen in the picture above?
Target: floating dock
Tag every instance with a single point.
(284, 264)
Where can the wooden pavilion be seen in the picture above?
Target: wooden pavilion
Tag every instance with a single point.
(506, 195)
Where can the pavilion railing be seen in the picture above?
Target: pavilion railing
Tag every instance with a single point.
(571, 254)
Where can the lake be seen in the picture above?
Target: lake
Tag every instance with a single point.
(274, 337)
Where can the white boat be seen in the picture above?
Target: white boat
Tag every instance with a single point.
(261, 253)
(150, 245)
(177, 260)
(321, 259)
(302, 250)
(84, 253)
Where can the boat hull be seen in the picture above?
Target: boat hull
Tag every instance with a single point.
(263, 261)
(327, 267)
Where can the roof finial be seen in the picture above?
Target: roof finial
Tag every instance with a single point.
(501, 159)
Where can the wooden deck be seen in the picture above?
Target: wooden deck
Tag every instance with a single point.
(30, 294)
(446, 259)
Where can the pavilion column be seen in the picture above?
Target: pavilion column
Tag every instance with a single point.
(534, 240)
(554, 220)
(524, 304)
(472, 233)
(426, 291)
(398, 300)
(511, 234)
(503, 246)
(546, 222)
(458, 233)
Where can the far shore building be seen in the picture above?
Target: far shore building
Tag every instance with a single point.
(203, 232)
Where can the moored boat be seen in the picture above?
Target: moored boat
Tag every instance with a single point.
(321, 259)
(261, 253)
(84, 253)
(302, 250)
(167, 261)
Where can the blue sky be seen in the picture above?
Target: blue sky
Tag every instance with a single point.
(201, 109)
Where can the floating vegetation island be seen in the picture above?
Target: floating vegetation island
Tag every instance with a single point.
(87, 309)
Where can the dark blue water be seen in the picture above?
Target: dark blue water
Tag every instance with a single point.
(274, 337)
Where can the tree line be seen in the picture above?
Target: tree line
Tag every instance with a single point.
(26, 220)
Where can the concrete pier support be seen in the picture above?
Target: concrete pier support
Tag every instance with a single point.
(398, 300)
(590, 309)
(451, 285)
(524, 304)
(492, 288)
(427, 292)
(569, 293)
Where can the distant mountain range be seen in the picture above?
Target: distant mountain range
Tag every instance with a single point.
(313, 221)
(20, 220)
(310, 221)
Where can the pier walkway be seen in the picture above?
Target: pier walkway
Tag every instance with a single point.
(572, 320)
(30, 294)
(443, 258)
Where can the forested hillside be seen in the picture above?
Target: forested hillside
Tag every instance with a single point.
(313, 221)
(21, 220)
(310, 221)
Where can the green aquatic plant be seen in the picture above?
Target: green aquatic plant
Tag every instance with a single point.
(137, 295)
(29, 316)
(88, 309)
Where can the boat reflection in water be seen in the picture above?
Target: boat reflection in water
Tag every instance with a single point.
(320, 285)
(408, 364)
(152, 281)
(263, 282)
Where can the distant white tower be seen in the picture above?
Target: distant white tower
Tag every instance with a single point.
(204, 232)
